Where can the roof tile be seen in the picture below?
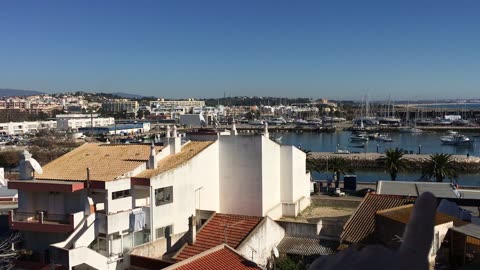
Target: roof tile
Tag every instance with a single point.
(222, 228)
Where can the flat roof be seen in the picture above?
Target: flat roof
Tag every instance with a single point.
(402, 214)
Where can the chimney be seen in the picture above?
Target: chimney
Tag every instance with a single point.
(152, 159)
(265, 130)
(192, 230)
(26, 170)
(234, 129)
(174, 133)
(167, 135)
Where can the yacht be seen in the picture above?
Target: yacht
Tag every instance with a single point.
(410, 130)
(255, 122)
(276, 121)
(384, 138)
(300, 122)
(359, 137)
(457, 139)
(451, 132)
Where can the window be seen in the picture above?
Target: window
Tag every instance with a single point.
(163, 195)
(164, 231)
(120, 194)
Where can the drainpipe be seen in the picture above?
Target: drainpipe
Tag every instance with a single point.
(152, 205)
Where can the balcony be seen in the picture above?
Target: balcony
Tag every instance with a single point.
(43, 222)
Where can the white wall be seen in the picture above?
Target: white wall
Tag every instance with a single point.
(441, 230)
(260, 243)
(199, 172)
(270, 174)
(122, 204)
(240, 175)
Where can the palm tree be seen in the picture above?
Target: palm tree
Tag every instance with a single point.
(394, 162)
(339, 166)
(440, 166)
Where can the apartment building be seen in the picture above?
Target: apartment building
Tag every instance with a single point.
(76, 121)
(120, 105)
(13, 128)
(99, 201)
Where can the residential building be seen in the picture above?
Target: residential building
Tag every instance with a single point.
(187, 103)
(120, 106)
(76, 121)
(12, 128)
(100, 201)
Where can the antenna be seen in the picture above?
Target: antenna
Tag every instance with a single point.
(226, 226)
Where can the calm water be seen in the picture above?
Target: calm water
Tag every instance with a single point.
(429, 141)
(327, 142)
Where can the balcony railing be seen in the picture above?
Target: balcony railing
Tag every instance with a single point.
(40, 217)
(41, 221)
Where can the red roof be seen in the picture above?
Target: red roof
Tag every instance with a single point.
(219, 258)
(362, 223)
(221, 229)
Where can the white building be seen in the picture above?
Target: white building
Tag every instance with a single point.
(25, 127)
(76, 121)
(96, 203)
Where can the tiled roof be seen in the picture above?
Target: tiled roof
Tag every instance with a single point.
(402, 214)
(218, 258)
(220, 229)
(362, 223)
(172, 161)
(306, 246)
(106, 162)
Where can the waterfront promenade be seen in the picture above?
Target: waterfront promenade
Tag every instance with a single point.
(369, 160)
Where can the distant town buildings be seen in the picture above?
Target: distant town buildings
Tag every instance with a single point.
(120, 105)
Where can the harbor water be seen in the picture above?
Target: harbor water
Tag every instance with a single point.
(428, 141)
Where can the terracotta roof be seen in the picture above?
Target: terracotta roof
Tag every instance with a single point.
(218, 258)
(172, 161)
(220, 229)
(106, 162)
(402, 214)
(362, 223)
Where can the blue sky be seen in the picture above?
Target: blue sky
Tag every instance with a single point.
(333, 49)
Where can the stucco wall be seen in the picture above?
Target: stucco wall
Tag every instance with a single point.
(240, 175)
(121, 204)
(259, 244)
(199, 172)
(270, 174)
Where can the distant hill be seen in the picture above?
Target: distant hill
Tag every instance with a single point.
(127, 95)
(18, 92)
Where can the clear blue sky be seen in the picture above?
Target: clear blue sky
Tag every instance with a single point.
(334, 49)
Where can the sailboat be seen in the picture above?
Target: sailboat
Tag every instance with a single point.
(411, 129)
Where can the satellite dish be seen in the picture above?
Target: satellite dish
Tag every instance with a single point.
(275, 252)
(36, 166)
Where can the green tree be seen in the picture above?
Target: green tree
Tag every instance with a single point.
(287, 263)
(9, 159)
(440, 166)
(394, 162)
(338, 166)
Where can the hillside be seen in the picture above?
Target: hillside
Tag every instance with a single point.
(17, 92)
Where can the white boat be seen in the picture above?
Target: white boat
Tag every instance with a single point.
(255, 122)
(359, 137)
(373, 135)
(384, 138)
(300, 122)
(277, 121)
(410, 130)
(451, 132)
(456, 140)
(278, 139)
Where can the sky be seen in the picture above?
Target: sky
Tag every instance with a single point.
(177, 49)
